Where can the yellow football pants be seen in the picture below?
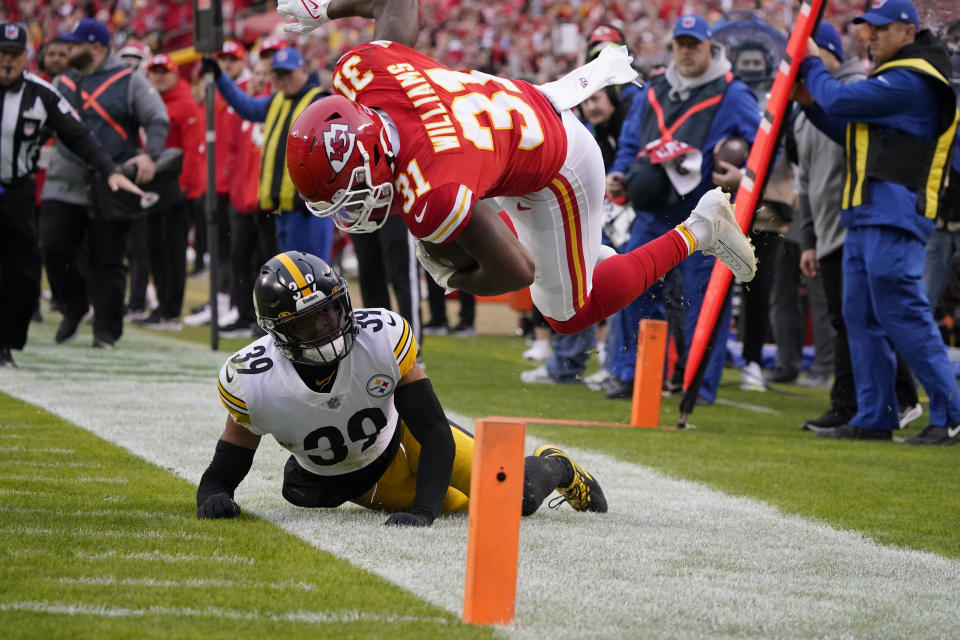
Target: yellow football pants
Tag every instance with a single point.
(397, 486)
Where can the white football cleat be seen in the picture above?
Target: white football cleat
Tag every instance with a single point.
(309, 14)
(715, 228)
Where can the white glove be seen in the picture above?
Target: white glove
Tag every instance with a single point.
(440, 272)
(612, 66)
(309, 14)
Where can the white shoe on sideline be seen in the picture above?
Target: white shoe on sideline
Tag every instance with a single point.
(714, 226)
(539, 350)
(910, 414)
(751, 378)
(597, 381)
(540, 375)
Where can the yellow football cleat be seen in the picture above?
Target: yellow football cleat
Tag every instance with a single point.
(584, 493)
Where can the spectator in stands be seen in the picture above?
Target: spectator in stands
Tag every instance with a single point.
(296, 228)
(253, 238)
(116, 105)
(32, 110)
(900, 126)
(52, 58)
(167, 226)
(821, 185)
(663, 163)
(135, 54)
(439, 325)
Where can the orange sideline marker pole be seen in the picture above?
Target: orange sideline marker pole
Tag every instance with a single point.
(493, 540)
(648, 377)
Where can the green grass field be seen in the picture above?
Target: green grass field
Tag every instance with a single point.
(99, 543)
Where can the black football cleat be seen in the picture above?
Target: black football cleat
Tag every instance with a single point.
(584, 492)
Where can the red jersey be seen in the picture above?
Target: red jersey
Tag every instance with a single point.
(464, 135)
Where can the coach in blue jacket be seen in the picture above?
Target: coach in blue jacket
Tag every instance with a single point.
(897, 126)
(674, 125)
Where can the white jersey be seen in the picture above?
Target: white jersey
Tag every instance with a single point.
(332, 433)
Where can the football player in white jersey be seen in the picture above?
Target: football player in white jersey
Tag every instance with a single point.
(340, 388)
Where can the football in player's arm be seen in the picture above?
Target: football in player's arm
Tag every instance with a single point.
(341, 390)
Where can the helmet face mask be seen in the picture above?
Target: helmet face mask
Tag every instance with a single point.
(361, 207)
(338, 158)
(305, 305)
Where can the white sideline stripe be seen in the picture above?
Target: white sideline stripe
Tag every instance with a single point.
(83, 479)
(45, 464)
(97, 513)
(748, 407)
(158, 556)
(23, 492)
(83, 609)
(111, 581)
(109, 533)
(672, 559)
(150, 556)
(18, 447)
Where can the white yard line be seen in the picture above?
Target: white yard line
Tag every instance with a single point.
(672, 558)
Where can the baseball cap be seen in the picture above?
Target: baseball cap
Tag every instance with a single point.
(694, 26)
(271, 44)
(886, 11)
(162, 60)
(287, 60)
(134, 48)
(232, 48)
(89, 30)
(828, 38)
(13, 34)
(603, 36)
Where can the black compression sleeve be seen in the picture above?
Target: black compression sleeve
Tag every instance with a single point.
(420, 409)
(228, 468)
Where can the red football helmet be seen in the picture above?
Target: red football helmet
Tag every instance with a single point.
(339, 160)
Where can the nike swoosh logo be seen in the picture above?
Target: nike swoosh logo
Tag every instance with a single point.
(953, 432)
(520, 207)
(419, 216)
(227, 376)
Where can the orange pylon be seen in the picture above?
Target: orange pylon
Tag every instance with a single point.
(493, 540)
(648, 376)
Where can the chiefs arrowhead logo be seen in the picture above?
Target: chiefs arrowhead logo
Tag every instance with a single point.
(338, 142)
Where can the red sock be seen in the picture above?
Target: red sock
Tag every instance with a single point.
(621, 279)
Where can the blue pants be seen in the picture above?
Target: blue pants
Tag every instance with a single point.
(696, 274)
(302, 231)
(885, 306)
(570, 354)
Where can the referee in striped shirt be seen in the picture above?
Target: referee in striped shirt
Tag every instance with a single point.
(30, 111)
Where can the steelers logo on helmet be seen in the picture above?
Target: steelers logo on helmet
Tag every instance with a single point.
(305, 305)
(339, 159)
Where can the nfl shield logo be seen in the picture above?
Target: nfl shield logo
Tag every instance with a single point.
(876, 4)
(11, 32)
(333, 403)
(29, 128)
(688, 21)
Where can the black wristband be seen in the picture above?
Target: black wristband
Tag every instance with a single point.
(229, 467)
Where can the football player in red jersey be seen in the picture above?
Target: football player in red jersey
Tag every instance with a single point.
(452, 149)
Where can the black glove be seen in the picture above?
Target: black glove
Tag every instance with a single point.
(210, 65)
(219, 505)
(404, 519)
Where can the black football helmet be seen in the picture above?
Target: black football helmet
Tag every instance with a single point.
(305, 305)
